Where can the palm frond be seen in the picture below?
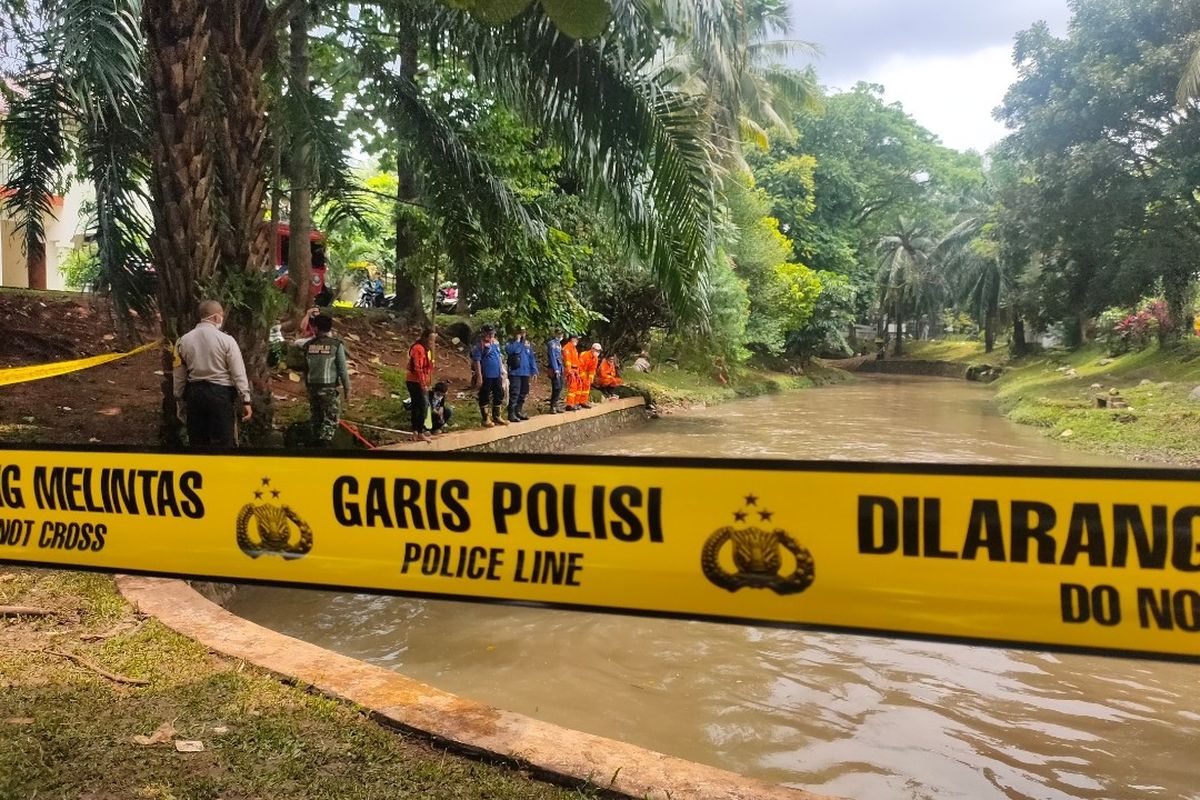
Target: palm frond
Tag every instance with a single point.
(463, 182)
(101, 44)
(638, 147)
(36, 143)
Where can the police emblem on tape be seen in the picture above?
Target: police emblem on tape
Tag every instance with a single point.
(758, 556)
(277, 529)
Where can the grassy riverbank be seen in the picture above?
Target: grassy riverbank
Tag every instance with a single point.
(1057, 391)
(672, 388)
(67, 729)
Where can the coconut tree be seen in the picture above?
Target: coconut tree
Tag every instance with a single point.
(972, 261)
(83, 106)
(906, 281)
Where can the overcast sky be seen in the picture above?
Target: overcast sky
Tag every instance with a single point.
(948, 61)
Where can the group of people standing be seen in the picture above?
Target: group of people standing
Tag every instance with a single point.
(577, 372)
(568, 370)
(210, 378)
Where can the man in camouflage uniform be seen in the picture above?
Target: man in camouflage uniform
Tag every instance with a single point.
(325, 368)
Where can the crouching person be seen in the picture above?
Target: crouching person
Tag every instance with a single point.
(442, 413)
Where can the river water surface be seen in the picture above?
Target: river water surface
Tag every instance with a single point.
(854, 716)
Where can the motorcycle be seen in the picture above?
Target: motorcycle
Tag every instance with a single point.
(447, 298)
(370, 296)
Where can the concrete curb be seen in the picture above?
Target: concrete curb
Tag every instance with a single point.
(477, 437)
(554, 752)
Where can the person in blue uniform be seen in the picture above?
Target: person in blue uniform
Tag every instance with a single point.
(487, 361)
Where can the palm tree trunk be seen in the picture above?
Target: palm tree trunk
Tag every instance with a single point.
(408, 293)
(243, 33)
(35, 262)
(300, 214)
(1020, 347)
(899, 317)
(182, 185)
(989, 329)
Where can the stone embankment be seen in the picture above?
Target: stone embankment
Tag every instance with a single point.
(545, 433)
(983, 373)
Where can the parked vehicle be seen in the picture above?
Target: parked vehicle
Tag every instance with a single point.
(319, 292)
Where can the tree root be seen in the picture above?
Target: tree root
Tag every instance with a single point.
(83, 662)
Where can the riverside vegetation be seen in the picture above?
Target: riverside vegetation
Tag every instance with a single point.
(1056, 391)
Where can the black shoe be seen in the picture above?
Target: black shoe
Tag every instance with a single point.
(521, 416)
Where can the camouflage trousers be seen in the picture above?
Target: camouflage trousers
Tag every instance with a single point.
(325, 409)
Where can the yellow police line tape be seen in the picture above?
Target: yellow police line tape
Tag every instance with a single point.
(41, 371)
(1079, 559)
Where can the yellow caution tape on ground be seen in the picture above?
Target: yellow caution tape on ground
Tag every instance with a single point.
(40, 371)
(1100, 560)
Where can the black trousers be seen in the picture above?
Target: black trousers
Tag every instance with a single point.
(518, 390)
(420, 403)
(490, 394)
(556, 387)
(209, 414)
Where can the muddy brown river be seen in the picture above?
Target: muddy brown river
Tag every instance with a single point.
(859, 717)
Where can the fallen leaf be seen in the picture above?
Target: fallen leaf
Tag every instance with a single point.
(164, 733)
(158, 372)
(108, 337)
(7, 578)
(220, 729)
(376, 360)
(19, 721)
(279, 396)
(185, 746)
(353, 338)
(294, 377)
(109, 412)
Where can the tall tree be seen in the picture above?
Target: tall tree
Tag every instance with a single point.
(1109, 153)
(906, 279)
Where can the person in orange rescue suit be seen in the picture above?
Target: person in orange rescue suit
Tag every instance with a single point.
(588, 362)
(607, 379)
(570, 357)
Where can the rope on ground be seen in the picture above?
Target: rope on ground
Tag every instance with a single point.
(380, 428)
(39, 372)
(354, 432)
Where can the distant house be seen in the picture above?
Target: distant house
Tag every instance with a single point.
(63, 234)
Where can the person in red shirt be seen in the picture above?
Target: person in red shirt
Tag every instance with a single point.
(419, 379)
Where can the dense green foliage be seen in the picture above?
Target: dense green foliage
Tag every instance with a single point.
(711, 202)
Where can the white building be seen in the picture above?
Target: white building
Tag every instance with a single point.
(64, 232)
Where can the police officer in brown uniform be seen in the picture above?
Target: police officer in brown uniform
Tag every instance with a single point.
(209, 376)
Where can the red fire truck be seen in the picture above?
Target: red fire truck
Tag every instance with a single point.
(320, 293)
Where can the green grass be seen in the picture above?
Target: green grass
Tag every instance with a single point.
(963, 351)
(1161, 424)
(669, 387)
(66, 732)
